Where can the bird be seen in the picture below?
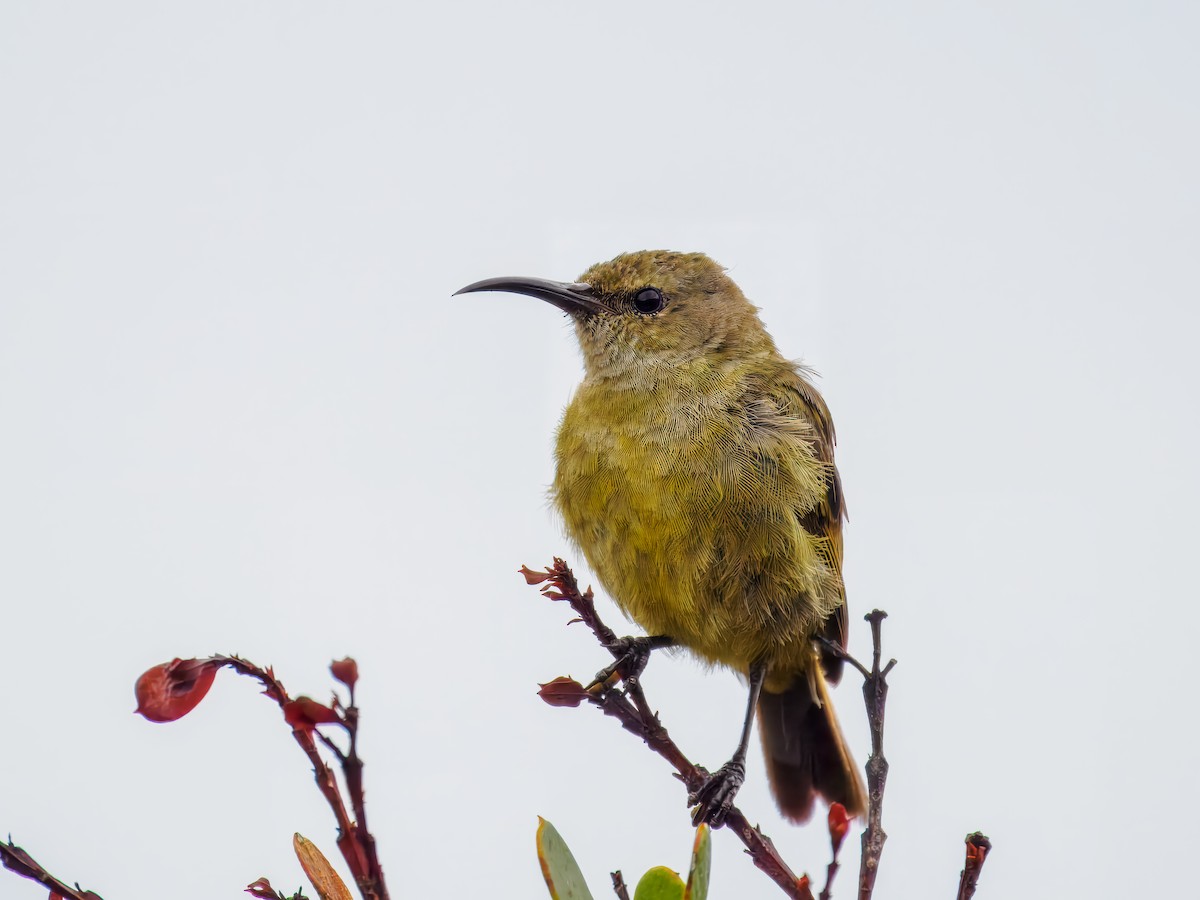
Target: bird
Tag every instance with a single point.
(695, 471)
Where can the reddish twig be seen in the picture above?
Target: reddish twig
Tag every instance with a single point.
(17, 860)
(322, 773)
(619, 887)
(978, 847)
(355, 842)
(839, 825)
(830, 874)
(171, 690)
(560, 584)
(352, 770)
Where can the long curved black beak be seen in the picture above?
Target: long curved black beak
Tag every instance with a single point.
(575, 298)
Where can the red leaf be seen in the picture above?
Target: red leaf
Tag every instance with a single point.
(171, 690)
(839, 824)
(345, 671)
(262, 889)
(532, 577)
(563, 691)
(305, 714)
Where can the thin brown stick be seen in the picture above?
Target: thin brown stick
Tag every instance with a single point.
(839, 826)
(830, 874)
(354, 841)
(322, 773)
(978, 848)
(561, 585)
(619, 887)
(17, 860)
(356, 844)
(352, 770)
(875, 689)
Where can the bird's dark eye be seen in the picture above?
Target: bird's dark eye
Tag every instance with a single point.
(648, 301)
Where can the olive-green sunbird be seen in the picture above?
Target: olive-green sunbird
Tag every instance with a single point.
(695, 471)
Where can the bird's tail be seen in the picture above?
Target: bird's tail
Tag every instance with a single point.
(806, 752)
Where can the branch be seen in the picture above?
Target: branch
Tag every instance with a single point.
(17, 860)
(355, 842)
(352, 768)
(619, 887)
(978, 847)
(302, 732)
(839, 825)
(171, 690)
(636, 717)
(875, 690)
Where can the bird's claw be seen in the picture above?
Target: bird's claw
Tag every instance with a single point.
(632, 655)
(714, 798)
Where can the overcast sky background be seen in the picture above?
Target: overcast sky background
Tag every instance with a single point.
(242, 413)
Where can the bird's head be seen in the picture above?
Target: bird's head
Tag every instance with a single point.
(650, 308)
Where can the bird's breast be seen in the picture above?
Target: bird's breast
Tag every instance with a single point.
(687, 506)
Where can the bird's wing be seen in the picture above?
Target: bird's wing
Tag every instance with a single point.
(800, 398)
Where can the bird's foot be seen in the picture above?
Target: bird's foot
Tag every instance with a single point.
(632, 654)
(714, 798)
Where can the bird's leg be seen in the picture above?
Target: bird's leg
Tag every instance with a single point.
(714, 799)
(632, 654)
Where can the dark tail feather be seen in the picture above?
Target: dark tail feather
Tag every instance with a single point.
(805, 751)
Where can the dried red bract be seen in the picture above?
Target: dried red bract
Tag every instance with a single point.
(305, 714)
(563, 691)
(262, 889)
(532, 577)
(839, 824)
(345, 671)
(171, 690)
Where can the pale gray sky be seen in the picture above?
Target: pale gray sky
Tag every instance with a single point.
(241, 413)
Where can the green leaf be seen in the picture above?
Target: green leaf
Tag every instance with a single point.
(660, 883)
(559, 868)
(697, 883)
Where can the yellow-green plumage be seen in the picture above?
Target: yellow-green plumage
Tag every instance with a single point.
(695, 471)
(687, 468)
(686, 485)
